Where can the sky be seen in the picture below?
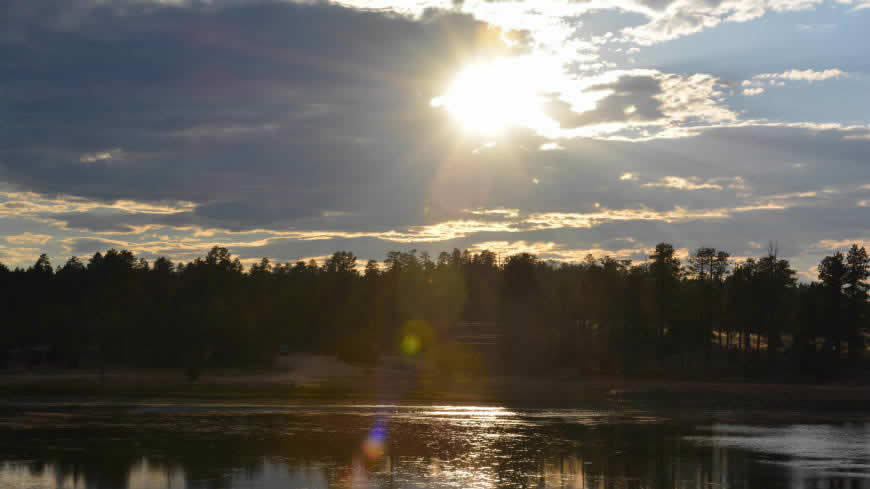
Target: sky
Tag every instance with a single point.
(292, 129)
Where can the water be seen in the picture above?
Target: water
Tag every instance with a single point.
(45, 446)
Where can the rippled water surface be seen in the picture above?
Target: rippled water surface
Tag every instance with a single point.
(46, 446)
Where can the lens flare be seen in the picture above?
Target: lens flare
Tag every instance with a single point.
(417, 336)
(410, 345)
(373, 445)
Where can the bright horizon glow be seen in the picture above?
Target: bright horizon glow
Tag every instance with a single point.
(489, 97)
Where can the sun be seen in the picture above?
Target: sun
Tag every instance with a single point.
(489, 97)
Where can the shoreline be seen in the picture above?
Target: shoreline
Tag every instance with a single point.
(269, 386)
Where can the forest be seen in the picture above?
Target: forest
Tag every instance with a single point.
(709, 317)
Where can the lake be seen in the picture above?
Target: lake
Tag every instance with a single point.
(312, 446)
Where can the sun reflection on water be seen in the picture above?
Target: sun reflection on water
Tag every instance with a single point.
(424, 446)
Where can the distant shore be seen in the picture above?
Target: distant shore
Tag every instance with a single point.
(374, 385)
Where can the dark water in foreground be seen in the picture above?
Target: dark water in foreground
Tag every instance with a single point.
(318, 446)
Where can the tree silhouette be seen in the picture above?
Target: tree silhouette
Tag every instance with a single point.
(42, 266)
(341, 262)
(601, 315)
(832, 274)
(665, 270)
(372, 270)
(857, 274)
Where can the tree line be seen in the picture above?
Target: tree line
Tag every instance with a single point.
(710, 316)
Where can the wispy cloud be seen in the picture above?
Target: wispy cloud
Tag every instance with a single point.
(495, 212)
(549, 250)
(28, 238)
(755, 86)
(681, 183)
(581, 220)
(551, 147)
(102, 156)
(19, 255)
(832, 245)
(803, 75)
(34, 204)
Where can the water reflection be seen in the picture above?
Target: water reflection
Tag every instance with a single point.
(316, 447)
(814, 454)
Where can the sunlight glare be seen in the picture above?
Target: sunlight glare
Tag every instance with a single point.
(490, 97)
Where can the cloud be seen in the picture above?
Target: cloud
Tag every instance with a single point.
(542, 22)
(755, 85)
(495, 212)
(686, 17)
(604, 99)
(17, 203)
(102, 156)
(663, 20)
(833, 245)
(28, 238)
(803, 75)
(575, 220)
(548, 250)
(551, 147)
(260, 114)
(500, 206)
(19, 255)
(680, 183)
(638, 105)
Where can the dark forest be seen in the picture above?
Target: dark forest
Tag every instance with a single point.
(708, 317)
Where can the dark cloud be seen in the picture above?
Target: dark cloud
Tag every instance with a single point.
(118, 223)
(749, 165)
(261, 113)
(88, 246)
(631, 98)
